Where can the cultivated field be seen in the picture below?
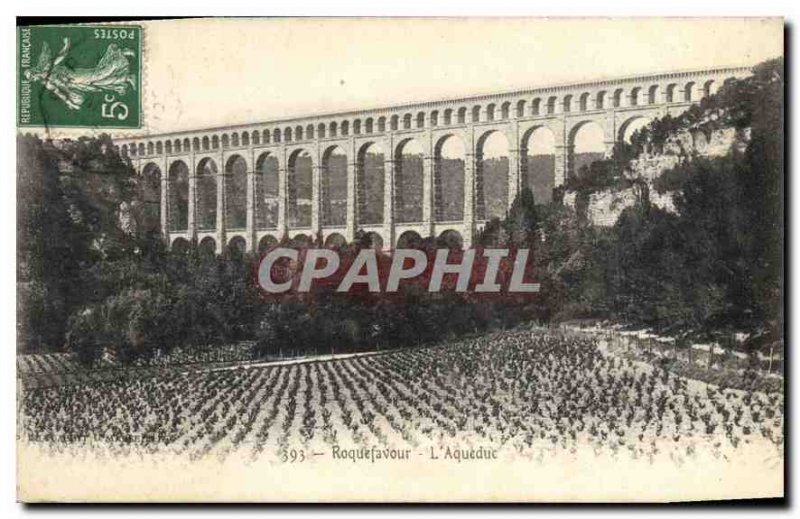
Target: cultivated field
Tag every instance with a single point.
(531, 392)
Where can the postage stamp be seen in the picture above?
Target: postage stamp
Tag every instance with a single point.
(79, 76)
(432, 260)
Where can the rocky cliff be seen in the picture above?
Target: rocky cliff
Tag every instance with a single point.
(604, 207)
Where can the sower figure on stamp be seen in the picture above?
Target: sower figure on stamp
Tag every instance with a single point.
(111, 74)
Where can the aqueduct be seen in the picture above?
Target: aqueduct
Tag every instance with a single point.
(399, 173)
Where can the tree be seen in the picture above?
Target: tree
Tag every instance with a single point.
(68, 201)
(522, 223)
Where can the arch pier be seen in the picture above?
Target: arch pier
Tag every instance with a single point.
(437, 169)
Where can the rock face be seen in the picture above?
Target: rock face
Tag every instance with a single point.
(603, 208)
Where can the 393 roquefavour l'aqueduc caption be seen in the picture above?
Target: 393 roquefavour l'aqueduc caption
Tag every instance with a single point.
(404, 260)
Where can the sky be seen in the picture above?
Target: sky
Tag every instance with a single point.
(216, 72)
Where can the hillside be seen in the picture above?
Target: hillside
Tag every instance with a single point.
(682, 229)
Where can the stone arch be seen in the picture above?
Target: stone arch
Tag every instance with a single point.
(369, 184)
(334, 186)
(255, 137)
(206, 143)
(709, 88)
(491, 175)
(124, 150)
(634, 96)
(266, 136)
(235, 139)
(551, 105)
(476, 114)
(688, 92)
(237, 244)
(276, 135)
(461, 115)
(408, 181)
(298, 133)
(287, 134)
(616, 100)
(583, 102)
(394, 122)
(373, 239)
(600, 100)
(652, 95)
(266, 191)
(539, 163)
(206, 194)
(586, 145)
(450, 239)
(300, 240)
(215, 142)
(141, 148)
(266, 242)
(630, 126)
(310, 131)
(178, 192)
(299, 189)
(335, 241)
(196, 144)
(407, 122)
(235, 192)
(180, 245)
(333, 128)
(345, 128)
(381, 124)
(420, 119)
(449, 158)
(490, 111)
(168, 147)
(226, 142)
(521, 108)
(207, 246)
(368, 125)
(150, 150)
(409, 240)
(245, 139)
(536, 106)
(448, 117)
(505, 111)
(567, 103)
(149, 194)
(670, 92)
(434, 117)
(321, 131)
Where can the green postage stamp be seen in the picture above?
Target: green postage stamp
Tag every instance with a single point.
(79, 76)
